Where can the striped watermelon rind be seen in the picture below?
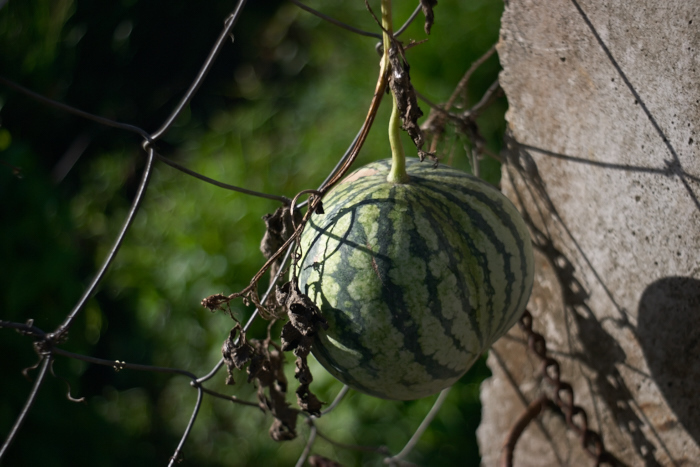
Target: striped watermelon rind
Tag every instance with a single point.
(416, 280)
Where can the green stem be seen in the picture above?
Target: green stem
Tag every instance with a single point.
(398, 158)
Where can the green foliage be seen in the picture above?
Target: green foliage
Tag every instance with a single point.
(277, 111)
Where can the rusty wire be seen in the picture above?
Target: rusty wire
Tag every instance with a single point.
(562, 397)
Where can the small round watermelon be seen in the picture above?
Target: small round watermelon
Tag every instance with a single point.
(416, 279)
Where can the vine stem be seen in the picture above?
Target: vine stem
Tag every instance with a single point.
(398, 157)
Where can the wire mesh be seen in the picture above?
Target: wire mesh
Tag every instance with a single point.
(49, 345)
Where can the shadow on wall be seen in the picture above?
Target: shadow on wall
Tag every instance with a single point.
(599, 350)
(669, 333)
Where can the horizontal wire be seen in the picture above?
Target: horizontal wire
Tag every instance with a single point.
(347, 27)
(119, 365)
(335, 21)
(72, 110)
(204, 178)
(24, 328)
(139, 131)
(383, 450)
(225, 397)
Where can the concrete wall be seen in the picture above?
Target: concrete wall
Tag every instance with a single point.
(605, 112)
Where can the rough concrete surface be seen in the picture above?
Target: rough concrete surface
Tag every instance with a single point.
(604, 111)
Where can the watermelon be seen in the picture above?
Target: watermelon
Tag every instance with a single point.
(416, 279)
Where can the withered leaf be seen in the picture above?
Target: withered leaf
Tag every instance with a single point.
(280, 431)
(406, 101)
(214, 302)
(236, 353)
(277, 364)
(303, 347)
(290, 337)
(284, 426)
(427, 7)
(308, 401)
(279, 229)
(305, 320)
(257, 362)
(302, 371)
(264, 375)
(241, 354)
(303, 314)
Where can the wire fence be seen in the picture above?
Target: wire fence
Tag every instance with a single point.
(448, 122)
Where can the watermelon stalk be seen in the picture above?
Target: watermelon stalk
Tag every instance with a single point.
(397, 174)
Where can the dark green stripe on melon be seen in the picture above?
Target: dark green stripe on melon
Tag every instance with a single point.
(416, 280)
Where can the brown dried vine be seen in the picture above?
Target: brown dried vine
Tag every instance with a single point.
(441, 116)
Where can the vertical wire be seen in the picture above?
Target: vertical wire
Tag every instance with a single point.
(115, 247)
(208, 63)
(27, 406)
(175, 458)
(307, 449)
(422, 427)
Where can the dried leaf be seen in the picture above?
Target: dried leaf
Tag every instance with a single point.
(302, 372)
(303, 314)
(257, 363)
(214, 302)
(406, 101)
(427, 7)
(307, 400)
(241, 354)
(264, 373)
(303, 347)
(279, 431)
(279, 229)
(284, 426)
(290, 337)
(277, 365)
(236, 354)
(305, 320)
(266, 367)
